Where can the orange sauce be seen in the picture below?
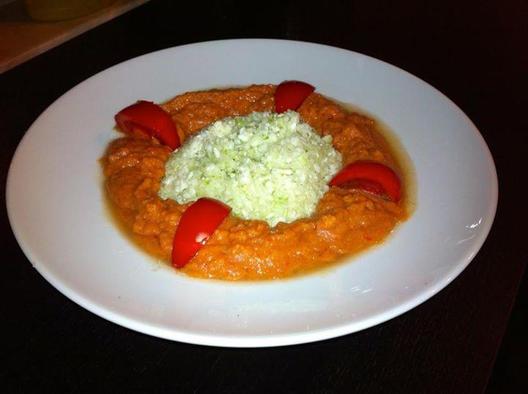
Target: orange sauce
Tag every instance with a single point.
(346, 221)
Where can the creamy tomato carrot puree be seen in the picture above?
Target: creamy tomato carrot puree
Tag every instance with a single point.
(346, 221)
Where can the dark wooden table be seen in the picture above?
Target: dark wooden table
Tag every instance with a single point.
(475, 52)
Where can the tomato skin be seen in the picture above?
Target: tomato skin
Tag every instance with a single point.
(291, 94)
(151, 120)
(372, 177)
(197, 224)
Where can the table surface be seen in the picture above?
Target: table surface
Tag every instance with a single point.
(22, 38)
(473, 51)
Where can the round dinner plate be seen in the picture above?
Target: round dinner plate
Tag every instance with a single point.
(57, 209)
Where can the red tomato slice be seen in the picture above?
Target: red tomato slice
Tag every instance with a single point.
(152, 120)
(369, 176)
(197, 224)
(291, 94)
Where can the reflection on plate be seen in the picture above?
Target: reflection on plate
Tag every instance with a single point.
(57, 209)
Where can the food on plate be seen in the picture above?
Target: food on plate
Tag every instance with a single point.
(197, 224)
(150, 120)
(291, 94)
(265, 166)
(258, 182)
(369, 176)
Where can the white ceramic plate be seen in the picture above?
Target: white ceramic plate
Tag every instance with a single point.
(57, 211)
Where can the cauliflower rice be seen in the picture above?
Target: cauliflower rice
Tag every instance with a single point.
(265, 166)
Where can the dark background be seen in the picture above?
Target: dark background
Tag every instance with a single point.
(476, 52)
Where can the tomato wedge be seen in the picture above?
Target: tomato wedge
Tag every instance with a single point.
(291, 94)
(372, 177)
(150, 119)
(197, 224)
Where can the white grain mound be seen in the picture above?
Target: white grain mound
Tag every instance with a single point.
(266, 166)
